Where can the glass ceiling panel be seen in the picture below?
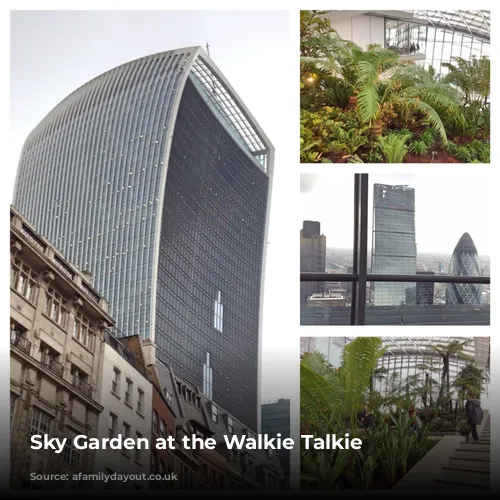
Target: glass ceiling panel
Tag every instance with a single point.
(474, 22)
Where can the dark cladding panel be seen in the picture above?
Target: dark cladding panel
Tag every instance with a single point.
(210, 259)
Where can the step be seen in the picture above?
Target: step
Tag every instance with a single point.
(472, 463)
(461, 485)
(474, 454)
(475, 446)
(455, 473)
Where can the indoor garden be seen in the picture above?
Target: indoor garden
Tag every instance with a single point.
(398, 425)
(370, 106)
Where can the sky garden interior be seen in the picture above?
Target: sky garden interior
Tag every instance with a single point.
(403, 396)
(409, 86)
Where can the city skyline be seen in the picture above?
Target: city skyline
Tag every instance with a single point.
(325, 195)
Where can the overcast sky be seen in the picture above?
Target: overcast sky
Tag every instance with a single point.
(446, 206)
(55, 52)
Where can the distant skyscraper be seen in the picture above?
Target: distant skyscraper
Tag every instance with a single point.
(312, 258)
(394, 250)
(156, 176)
(464, 262)
(425, 291)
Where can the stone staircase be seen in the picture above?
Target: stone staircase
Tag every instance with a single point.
(469, 467)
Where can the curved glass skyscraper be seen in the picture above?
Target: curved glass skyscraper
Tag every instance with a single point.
(464, 262)
(155, 176)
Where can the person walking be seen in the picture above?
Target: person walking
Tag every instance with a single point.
(474, 414)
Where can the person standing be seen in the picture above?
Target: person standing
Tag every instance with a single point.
(474, 414)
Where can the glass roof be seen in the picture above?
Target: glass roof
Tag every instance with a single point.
(474, 22)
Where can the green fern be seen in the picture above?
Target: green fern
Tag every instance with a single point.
(463, 154)
(393, 147)
(420, 148)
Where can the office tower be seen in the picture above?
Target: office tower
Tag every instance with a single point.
(464, 262)
(425, 291)
(155, 176)
(312, 258)
(394, 250)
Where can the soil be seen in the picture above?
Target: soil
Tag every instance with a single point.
(440, 157)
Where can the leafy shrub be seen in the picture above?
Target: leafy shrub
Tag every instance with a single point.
(450, 147)
(393, 147)
(463, 154)
(420, 148)
(428, 137)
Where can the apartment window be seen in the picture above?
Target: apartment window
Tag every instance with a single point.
(50, 358)
(155, 421)
(205, 472)
(83, 331)
(162, 428)
(218, 312)
(162, 468)
(214, 477)
(138, 455)
(207, 378)
(128, 391)
(168, 396)
(40, 422)
(115, 382)
(81, 380)
(140, 401)
(71, 454)
(250, 468)
(230, 425)
(112, 425)
(13, 400)
(215, 414)
(55, 307)
(222, 481)
(23, 279)
(154, 461)
(126, 430)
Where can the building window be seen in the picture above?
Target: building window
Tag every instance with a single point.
(50, 358)
(230, 424)
(83, 331)
(81, 380)
(218, 312)
(215, 414)
(162, 428)
(155, 421)
(71, 455)
(23, 279)
(205, 472)
(154, 461)
(214, 477)
(207, 378)
(140, 400)
(128, 391)
(126, 430)
(40, 423)
(115, 383)
(112, 425)
(55, 307)
(222, 481)
(138, 436)
(13, 400)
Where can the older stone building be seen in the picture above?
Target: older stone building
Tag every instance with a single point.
(57, 323)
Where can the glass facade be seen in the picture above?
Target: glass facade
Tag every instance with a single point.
(435, 37)
(464, 262)
(394, 250)
(155, 177)
(312, 258)
(408, 359)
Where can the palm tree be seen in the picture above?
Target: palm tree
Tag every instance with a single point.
(446, 351)
(384, 87)
(472, 78)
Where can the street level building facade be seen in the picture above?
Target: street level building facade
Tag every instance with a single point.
(394, 250)
(156, 176)
(57, 323)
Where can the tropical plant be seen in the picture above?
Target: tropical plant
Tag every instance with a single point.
(393, 147)
(446, 351)
(471, 77)
(420, 148)
(463, 154)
